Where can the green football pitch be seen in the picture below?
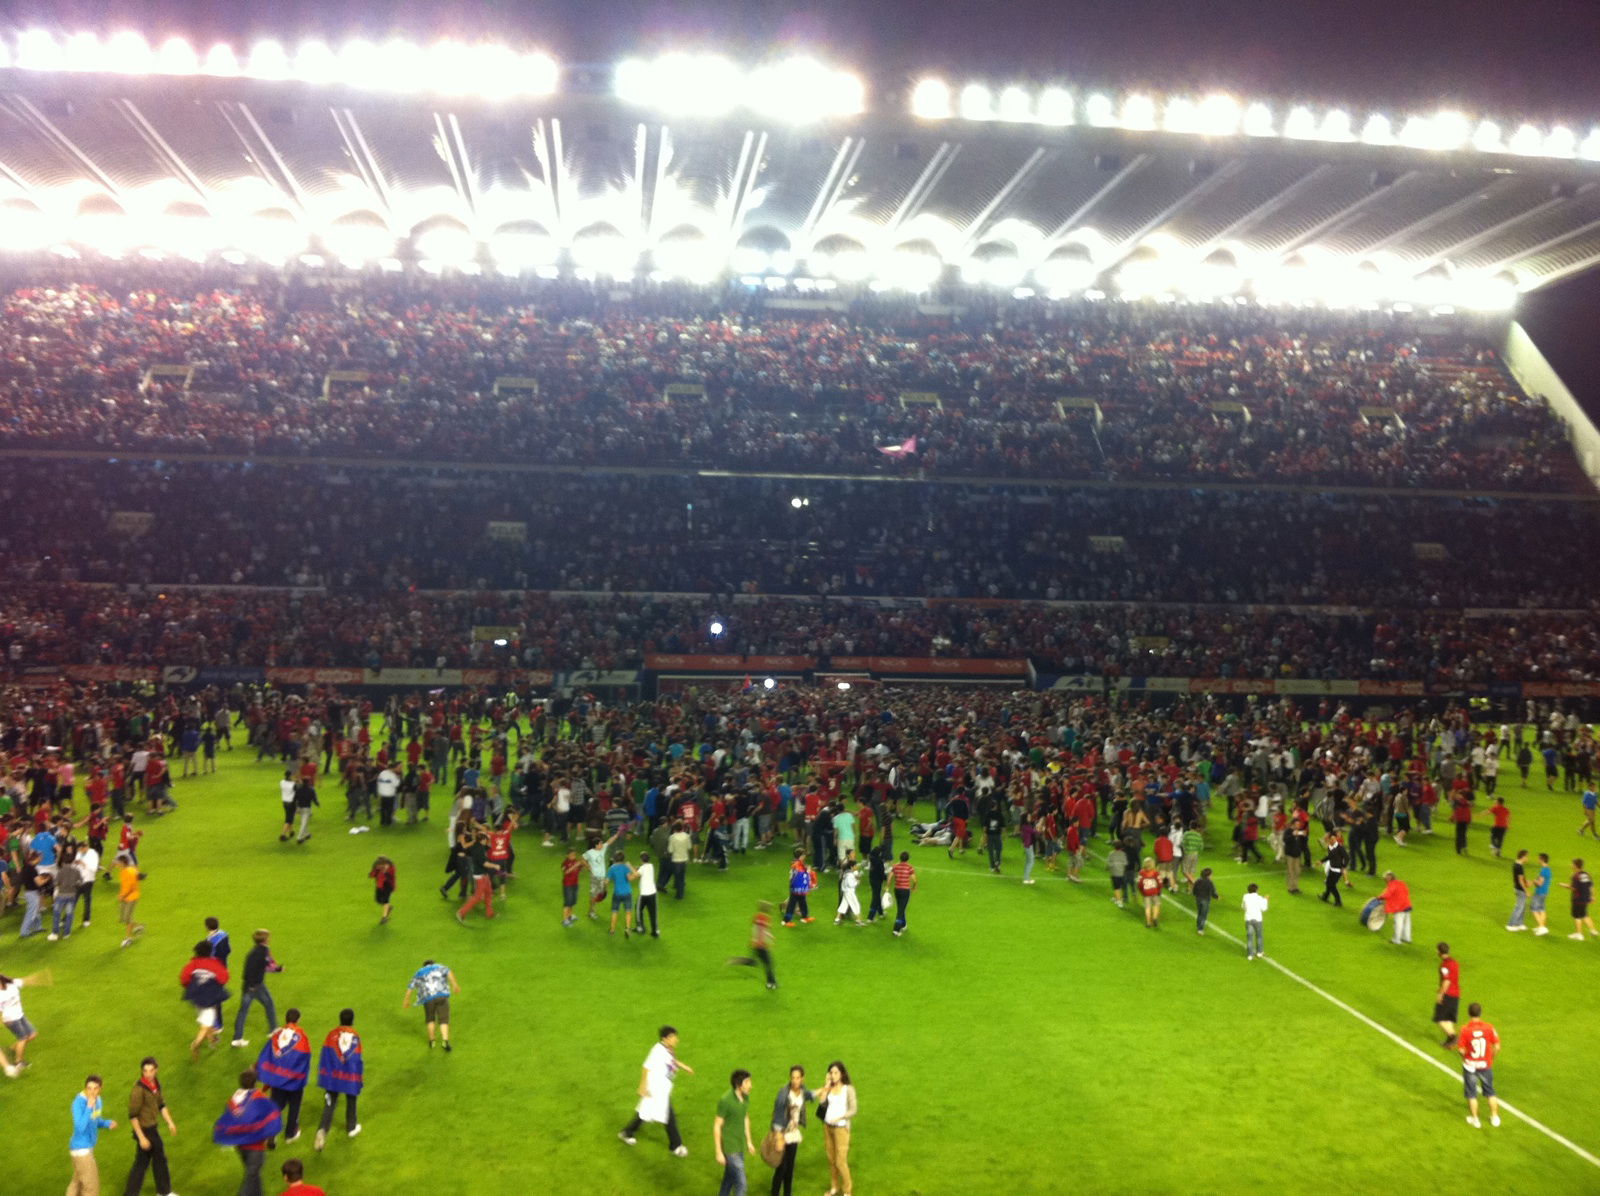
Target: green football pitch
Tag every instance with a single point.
(1015, 1040)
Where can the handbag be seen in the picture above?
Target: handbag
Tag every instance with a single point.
(772, 1148)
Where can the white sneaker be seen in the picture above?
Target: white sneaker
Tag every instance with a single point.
(1514, 929)
(294, 1137)
(1475, 1123)
(627, 1140)
(320, 1140)
(1538, 930)
(240, 1042)
(1576, 934)
(682, 1152)
(355, 1131)
(1494, 1119)
(11, 1072)
(53, 938)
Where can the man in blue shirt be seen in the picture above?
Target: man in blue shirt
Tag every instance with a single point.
(1590, 802)
(1541, 893)
(621, 878)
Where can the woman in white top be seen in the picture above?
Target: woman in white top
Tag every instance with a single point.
(836, 1102)
(789, 1119)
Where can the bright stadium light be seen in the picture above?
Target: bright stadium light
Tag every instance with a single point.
(540, 74)
(1590, 149)
(84, 52)
(361, 65)
(358, 243)
(843, 685)
(1056, 106)
(1336, 126)
(402, 66)
(930, 100)
(1138, 112)
(1179, 115)
(769, 683)
(1300, 124)
(1258, 121)
(802, 89)
(452, 68)
(1218, 116)
(1015, 104)
(1526, 140)
(177, 57)
(268, 60)
(1099, 111)
(523, 250)
(447, 244)
(1480, 292)
(716, 628)
(1487, 138)
(37, 51)
(1560, 142)
(1378, 130)
(220, 62)
(688, 84)
(977, 102)
(315, 63)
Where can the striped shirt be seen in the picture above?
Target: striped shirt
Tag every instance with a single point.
(904, 874)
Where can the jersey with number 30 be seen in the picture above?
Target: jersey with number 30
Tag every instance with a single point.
(1479, 1042)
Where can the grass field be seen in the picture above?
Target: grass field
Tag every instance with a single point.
(1015, 1040)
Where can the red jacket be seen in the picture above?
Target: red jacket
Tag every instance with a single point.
(1396, 897)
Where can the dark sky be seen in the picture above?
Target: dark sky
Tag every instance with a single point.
(1533, 59)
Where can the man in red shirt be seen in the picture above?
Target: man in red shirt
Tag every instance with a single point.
(866, 827)
(294, 1175)
(1461, 816)
(1448, 999)
(1397, 904)
(1502, 822)
(1478, 1046)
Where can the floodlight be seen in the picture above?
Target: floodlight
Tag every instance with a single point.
(1526, 140)
(221, 62)
(690, 258)
(930, 100)
(451, 68)
(803, 89)
(496, 72)
(691, 84)
(128, 53)
(1300, 124)
(1258, 121)
(1496, 292)
(1487, 139)
(1179, 115)
(27, 229)
(177, 57)
(269, 239)
(1590, 148)
(361, 65)
(447, 244)
(1015, 105)
(37, 51)
(909, 271)
(849, 265)
(268, 60)
(1218, 116)
(606, 253)
(1560, 142)
(843, 685)
(501, 641)
(315, 63)
(359, 243)
(1065, 273)
(797, 502)
(1336, 126)
(1378, 130)
(522, 250)
(83, 52)
(1451, 130)
(977, 102)
(540, 74)
(402, 66)
(1138, 112)
(716, 627)
(769, 683)
(1055, 106)
(1099, 110)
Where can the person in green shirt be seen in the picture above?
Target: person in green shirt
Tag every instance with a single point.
(1193, 844)
(733, 1110)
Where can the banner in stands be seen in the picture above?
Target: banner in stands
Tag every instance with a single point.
(937, 665)
(601, 678)
(110, 672)
(506, 529)
(1561, 689)
(486, 634)
(658, 662)
(298, 676)
(131, 523)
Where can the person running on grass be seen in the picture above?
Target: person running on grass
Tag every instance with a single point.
(1149, 882)
(432, 986)
(14, 1020)
(382, 876)
(1581, 886)
(760, 944)
(204, 980)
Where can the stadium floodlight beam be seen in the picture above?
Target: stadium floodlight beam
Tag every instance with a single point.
(977, 102)
(1378, 130)
(1487, 139)
(1336, 126)
(1300, 124)
(1527, 140)
(685, 84)
(268, 61)
(1015, 104)
(315, 63)
(220, 62)
(1590, 149)
(1056, 106)
(930, 100)
(177, 57)
(1258, 121)
(716, 627)
(1099, 111)
(800, 90)
(1139, 112)
(1560, 142)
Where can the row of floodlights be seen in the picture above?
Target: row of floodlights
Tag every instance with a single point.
(797, 89)
(1226, 116)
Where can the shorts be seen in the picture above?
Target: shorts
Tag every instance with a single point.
(621, 901)
(437, 1010)
(1472, 1081)
(597, 888)
(1152, 904)
(21, 1028)
(383, 896)
(569, 895)
(1580, 910)
(958, 829)
(1537, 902)
(207, 1017)
(1446, 1009)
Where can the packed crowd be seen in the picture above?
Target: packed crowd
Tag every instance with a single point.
(816, 394)
(371, 530)
(43, 625)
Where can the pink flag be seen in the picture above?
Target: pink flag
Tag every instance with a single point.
(898, 450)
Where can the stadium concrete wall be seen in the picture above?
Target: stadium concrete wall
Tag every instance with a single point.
(1538, 377)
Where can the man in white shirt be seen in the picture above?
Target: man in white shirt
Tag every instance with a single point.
(661, 1066)
(88, 861)
(647, 894)
(286, 796)
(388, 786)
(1255, 908)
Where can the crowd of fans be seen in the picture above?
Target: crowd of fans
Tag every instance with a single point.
(42, 625)
(368, 530)
(813, 392)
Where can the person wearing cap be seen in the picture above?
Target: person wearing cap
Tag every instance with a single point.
(1397, 904)
(147, 1108)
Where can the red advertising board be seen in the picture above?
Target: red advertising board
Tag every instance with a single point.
(940, 665)
(1231, 685)
(669, 662)
(110, 672)
(1561, 689)
(297, 676)
(1393, 689)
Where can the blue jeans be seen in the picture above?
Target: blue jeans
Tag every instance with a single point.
(1518, 914)
(1253, 940)
(32, 919)
(259, 993)
(733, 1180)
(1027, 863)
(61, 922)
(1202, 911)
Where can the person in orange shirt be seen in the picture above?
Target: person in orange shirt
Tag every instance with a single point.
(128, 893)
(1397, 904)
(1478, 1044)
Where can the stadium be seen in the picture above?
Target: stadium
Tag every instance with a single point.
(844, 465)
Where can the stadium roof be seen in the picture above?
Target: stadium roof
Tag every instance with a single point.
(689, 166)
